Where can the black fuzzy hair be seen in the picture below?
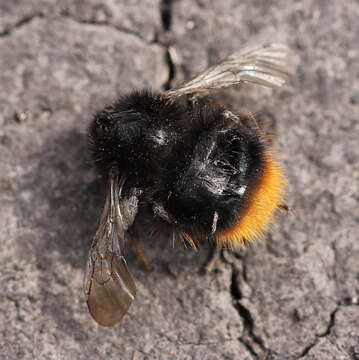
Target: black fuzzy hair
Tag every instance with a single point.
(194, 165)
(133, 132)
(226, 163)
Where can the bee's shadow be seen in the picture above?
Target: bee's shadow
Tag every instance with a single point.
(68, 198)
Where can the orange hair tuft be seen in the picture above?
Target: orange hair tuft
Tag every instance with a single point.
(263, 200)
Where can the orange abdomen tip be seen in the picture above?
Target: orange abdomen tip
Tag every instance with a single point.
(263, 199)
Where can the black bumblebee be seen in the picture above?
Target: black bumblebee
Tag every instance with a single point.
(185, 162)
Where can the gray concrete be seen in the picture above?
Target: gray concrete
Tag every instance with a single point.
(292, 296)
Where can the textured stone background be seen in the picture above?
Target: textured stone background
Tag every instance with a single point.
(292, 296)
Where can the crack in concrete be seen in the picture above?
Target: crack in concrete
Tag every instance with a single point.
(28, 19)
(166, 14)
(322, 335)
(118, 28)
(22, 22)
(166, 21)
(166, 9)
(17, 306)
(253, 343)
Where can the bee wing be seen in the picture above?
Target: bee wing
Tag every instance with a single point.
(269, 65)
(108, 285)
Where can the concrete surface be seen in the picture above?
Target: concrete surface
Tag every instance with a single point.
(292, 296)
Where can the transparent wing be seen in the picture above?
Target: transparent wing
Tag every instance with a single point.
(268, 65)
(108, 285)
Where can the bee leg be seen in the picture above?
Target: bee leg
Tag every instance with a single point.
(213, 259)
(286, 208)
(249, 120)
(138, 249)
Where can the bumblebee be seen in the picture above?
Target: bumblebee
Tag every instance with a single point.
(185, 162)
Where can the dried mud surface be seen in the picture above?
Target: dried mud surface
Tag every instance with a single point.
(293, 295)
